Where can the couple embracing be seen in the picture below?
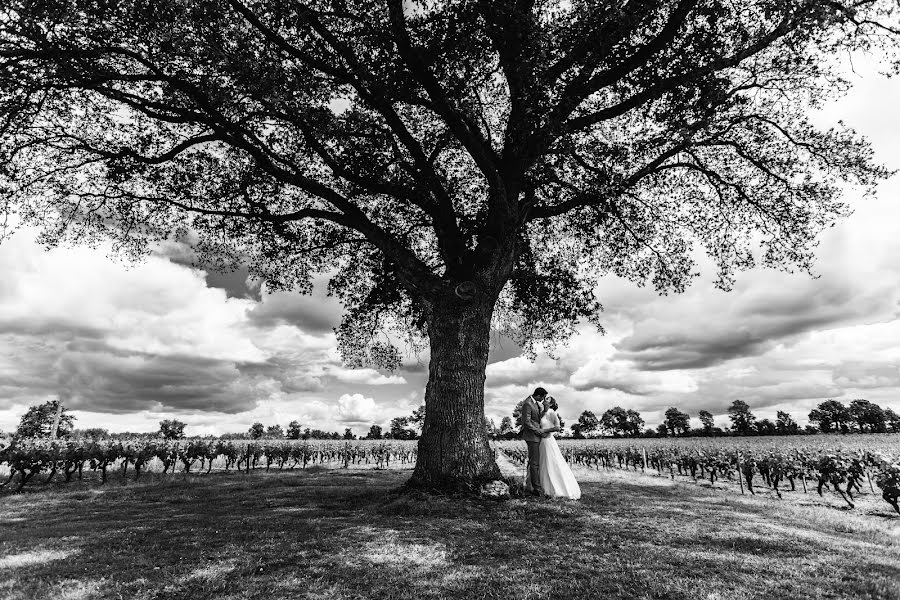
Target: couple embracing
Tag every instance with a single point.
(548, 473)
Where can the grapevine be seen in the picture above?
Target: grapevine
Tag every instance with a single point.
(28, 457)
(776, 465)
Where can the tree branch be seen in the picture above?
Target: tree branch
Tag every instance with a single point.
(587, 83)
(467, 133)
(671, 83)
(442, 212)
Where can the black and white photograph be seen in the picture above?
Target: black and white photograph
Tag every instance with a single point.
(449, 299)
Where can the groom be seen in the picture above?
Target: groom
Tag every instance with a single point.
(532, 411)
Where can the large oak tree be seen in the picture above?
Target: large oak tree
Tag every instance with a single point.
(455, 167)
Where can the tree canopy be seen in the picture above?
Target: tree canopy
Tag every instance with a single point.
(676, 421)
(617, 421)
(38, 420)
(742, 418)
(171, 429)
(403, 146)
(587, 423)
(452, 166)
(831, 415)
(706, 418)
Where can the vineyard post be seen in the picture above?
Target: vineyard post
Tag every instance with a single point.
(869, 479)
(247, 466)
(740, 472)
(643, 466)
(803, 481)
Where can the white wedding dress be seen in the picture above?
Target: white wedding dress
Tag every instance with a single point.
(556, 476)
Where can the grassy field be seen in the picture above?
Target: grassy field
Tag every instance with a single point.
(336, 534)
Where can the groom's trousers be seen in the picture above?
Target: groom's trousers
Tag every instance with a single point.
(534, 466)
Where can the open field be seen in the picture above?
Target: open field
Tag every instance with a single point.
(347, 533)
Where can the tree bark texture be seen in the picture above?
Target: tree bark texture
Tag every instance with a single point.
(453, 451)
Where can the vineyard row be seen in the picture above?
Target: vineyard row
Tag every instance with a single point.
(842, 470)
(30, 457)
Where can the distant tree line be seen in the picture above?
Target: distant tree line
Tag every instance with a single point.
(831, 416)
(38, 422)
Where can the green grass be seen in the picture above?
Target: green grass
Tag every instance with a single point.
(337, 534)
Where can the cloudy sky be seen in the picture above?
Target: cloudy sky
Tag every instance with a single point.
(125, 345)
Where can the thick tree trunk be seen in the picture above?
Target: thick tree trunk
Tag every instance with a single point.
(453, 451)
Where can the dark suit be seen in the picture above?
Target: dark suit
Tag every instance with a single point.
(532, 434)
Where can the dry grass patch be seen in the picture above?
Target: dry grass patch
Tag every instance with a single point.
(350, 535)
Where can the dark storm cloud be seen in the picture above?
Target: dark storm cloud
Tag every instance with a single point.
(50, 327)
(633, 388)
(92, 375)
(746, 325)
(235, 282)
(868, 375)
(691, 351)
(502, 348)
(314, 314)
(522, 371)
(291, 377)
(135, 382)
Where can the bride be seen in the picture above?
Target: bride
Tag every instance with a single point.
(556, 476)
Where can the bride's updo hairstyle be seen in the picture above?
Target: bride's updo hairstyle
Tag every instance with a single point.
(553, 403)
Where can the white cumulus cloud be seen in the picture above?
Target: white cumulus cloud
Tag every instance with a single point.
(356, 408)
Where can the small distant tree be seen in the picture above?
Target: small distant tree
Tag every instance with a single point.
(706, 419)
(507, 425)
(831, 415)
(587, 423)
(612, 421)
(619, 422)
(766, 427)
(349, 435)
(786, 425)
(400, 429)
(633, 423)
(662, 430)
(256, 431)
(171, 429)
(293, 430)
(867, 416)
(374, 433)
(676, 421)
(491, 428)
(891, 420)
(38, 421)
(742, 419)
(96, 433)
(274, 431)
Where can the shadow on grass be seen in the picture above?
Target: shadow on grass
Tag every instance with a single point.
(346, 534)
